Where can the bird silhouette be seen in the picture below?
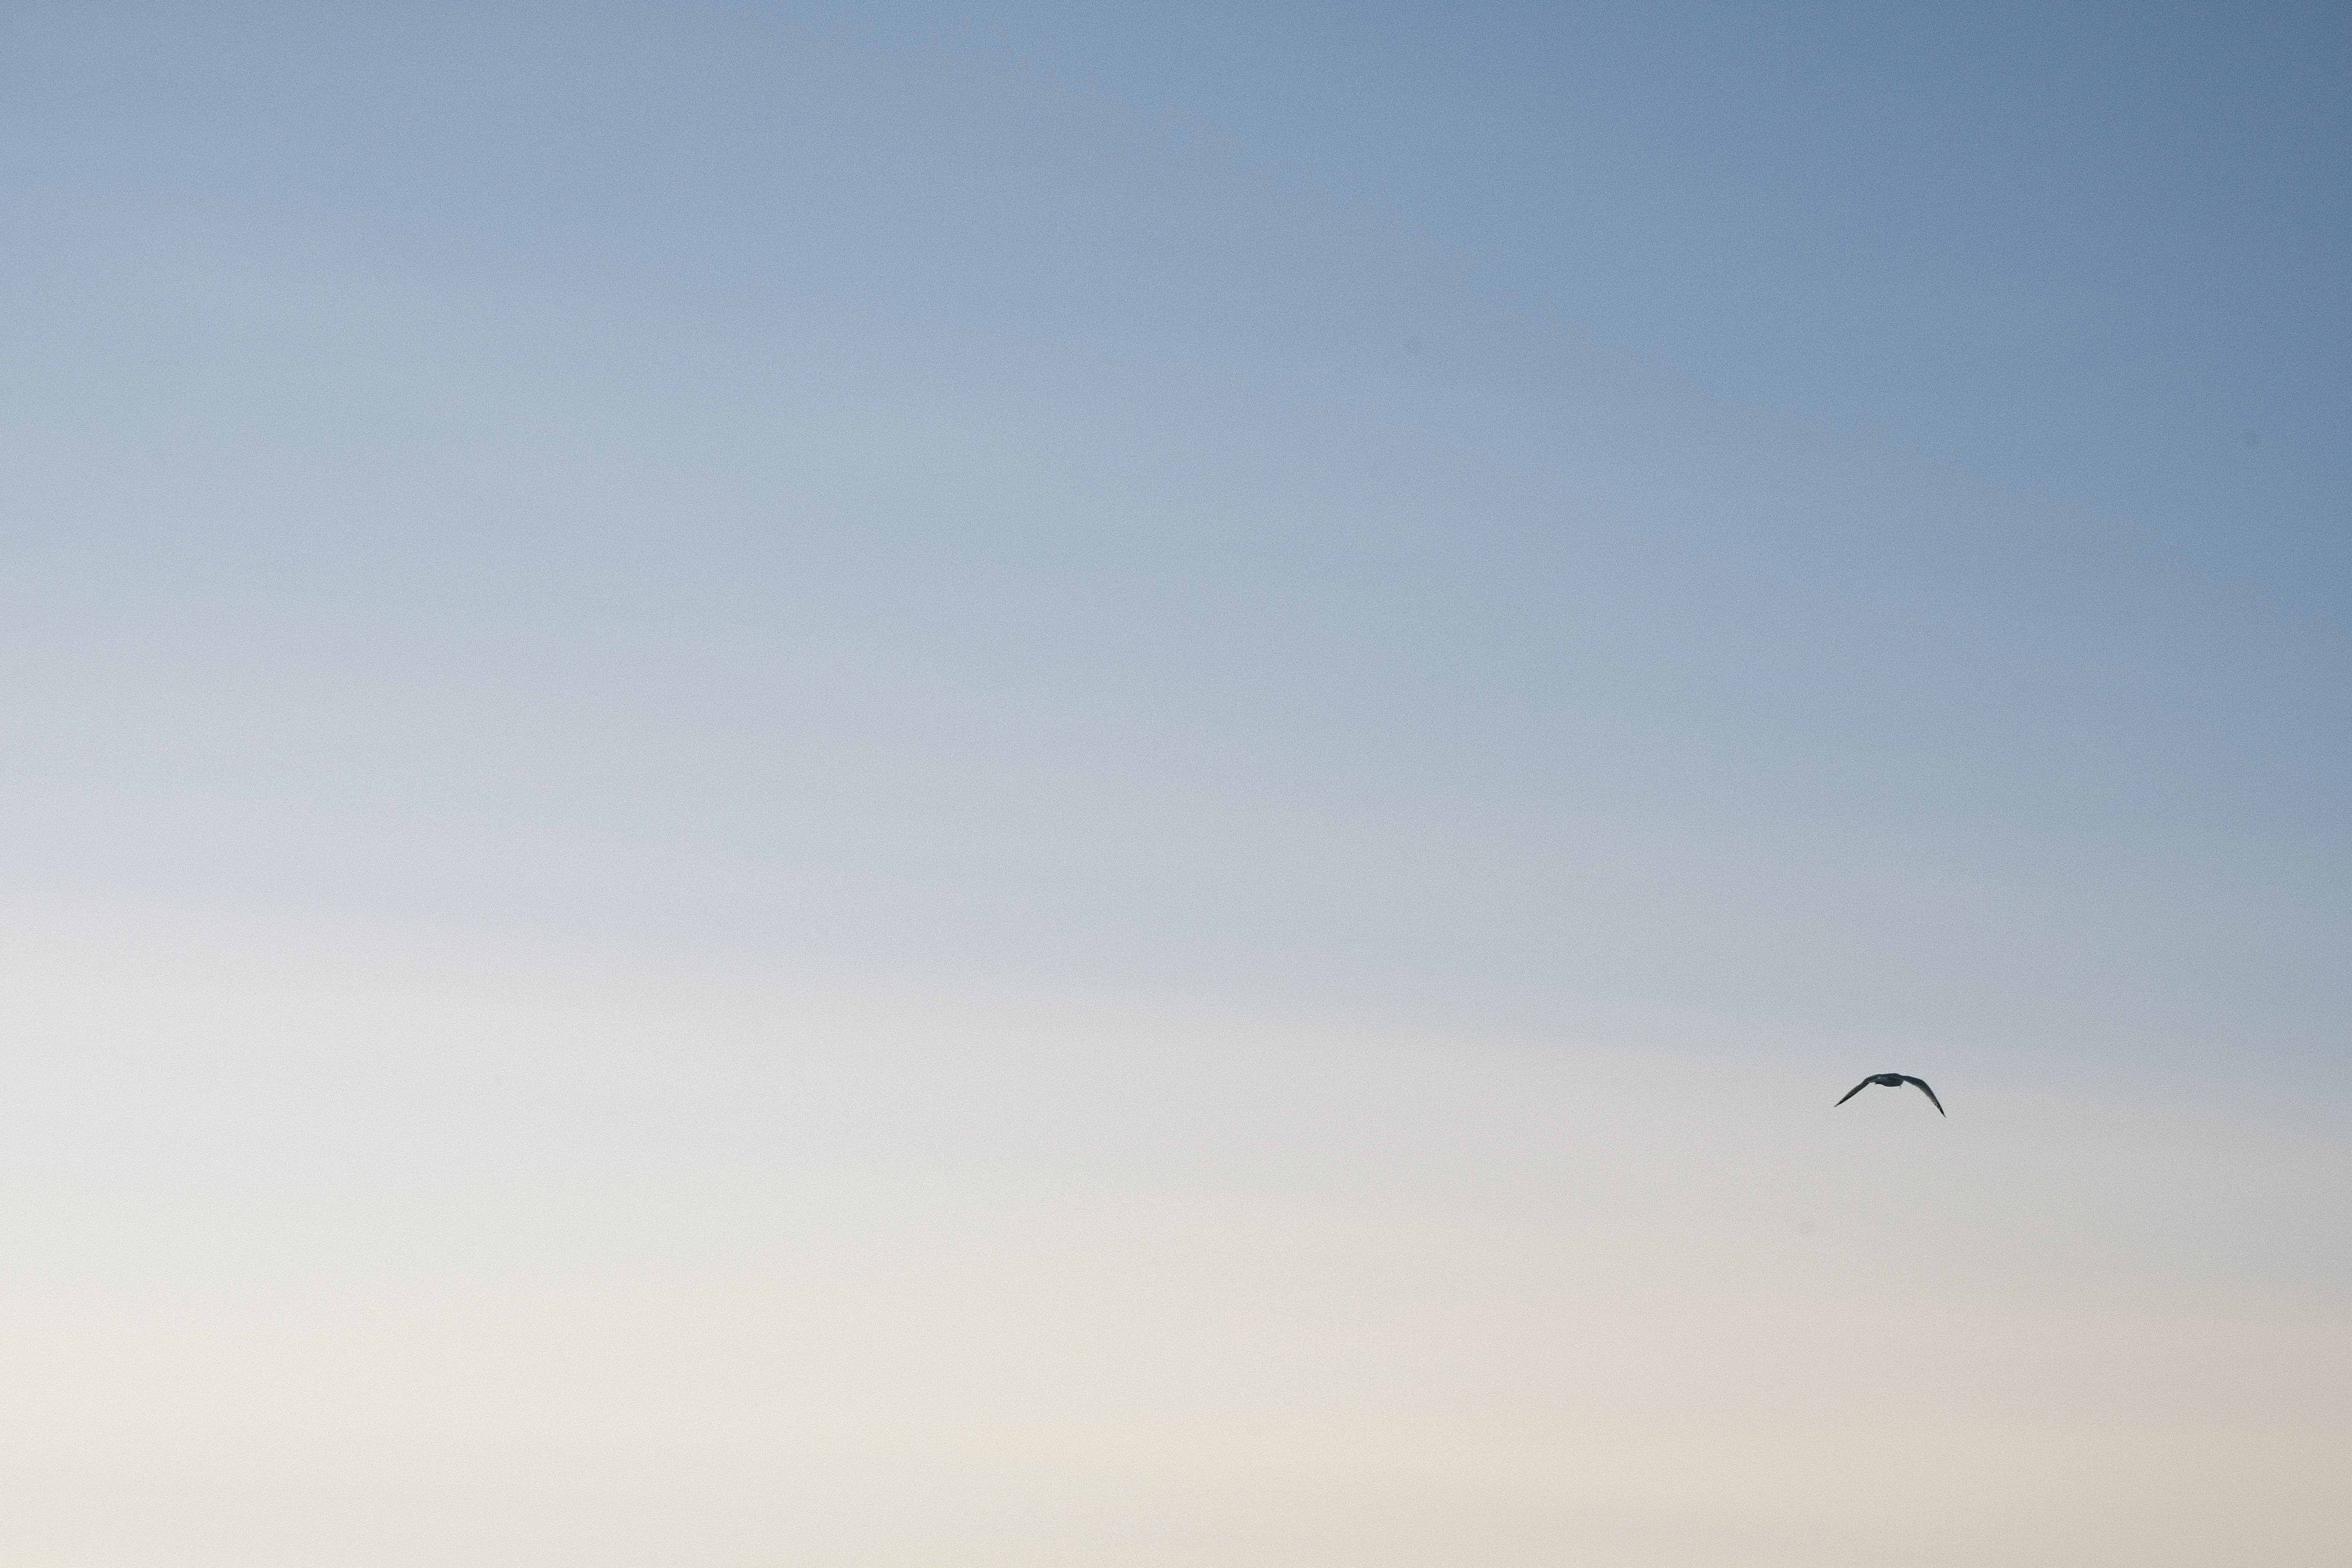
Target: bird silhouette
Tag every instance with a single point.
(1895, 1080)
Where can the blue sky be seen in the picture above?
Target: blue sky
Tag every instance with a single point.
(1659, 540)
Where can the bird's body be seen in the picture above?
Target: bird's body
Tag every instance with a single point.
(1893, 1080)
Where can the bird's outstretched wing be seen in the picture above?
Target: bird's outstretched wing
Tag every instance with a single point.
(1928, 1093)
(1857, 1088)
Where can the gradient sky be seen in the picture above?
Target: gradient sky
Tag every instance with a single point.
(1119, 784)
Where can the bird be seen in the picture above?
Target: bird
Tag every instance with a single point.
(1895, 1080)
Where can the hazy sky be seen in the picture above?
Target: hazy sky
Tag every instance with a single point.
(1119, 784)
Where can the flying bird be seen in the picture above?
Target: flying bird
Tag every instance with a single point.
(1893, 1080)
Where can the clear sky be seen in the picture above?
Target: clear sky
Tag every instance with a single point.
(1119, 784)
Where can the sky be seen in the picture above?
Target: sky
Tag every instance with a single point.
(1120, 784)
